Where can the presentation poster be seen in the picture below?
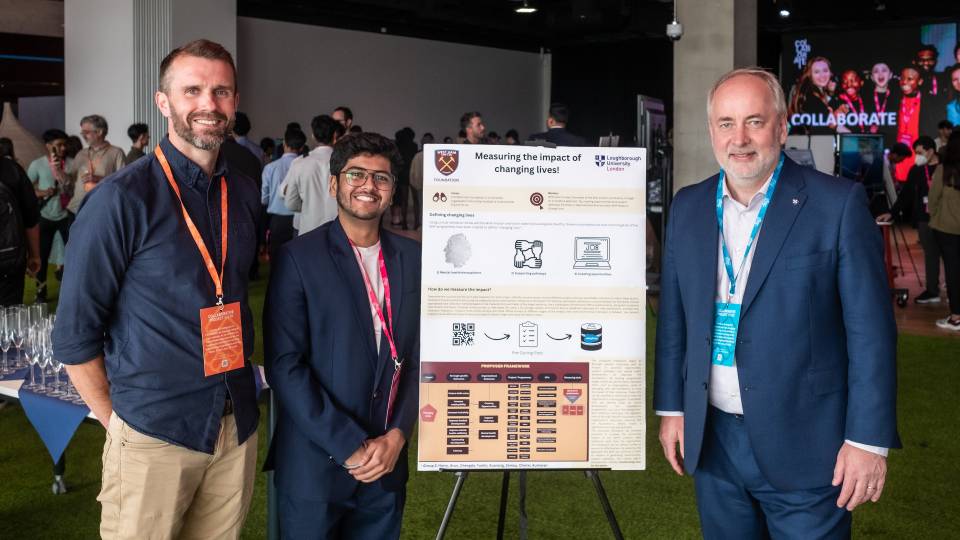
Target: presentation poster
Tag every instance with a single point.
(533, 308)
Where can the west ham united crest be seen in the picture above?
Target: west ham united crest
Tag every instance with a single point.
(446, 161)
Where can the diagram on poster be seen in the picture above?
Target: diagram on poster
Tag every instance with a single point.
(533, 308)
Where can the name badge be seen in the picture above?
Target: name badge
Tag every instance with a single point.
(726, 320)
(222, 334)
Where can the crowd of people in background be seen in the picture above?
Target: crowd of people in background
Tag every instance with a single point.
(917, 109)
(292, 172)
(929, 199)
(155, 326)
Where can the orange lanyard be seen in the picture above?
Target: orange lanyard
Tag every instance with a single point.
(217, 278)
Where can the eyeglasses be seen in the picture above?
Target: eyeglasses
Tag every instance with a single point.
(357, 177)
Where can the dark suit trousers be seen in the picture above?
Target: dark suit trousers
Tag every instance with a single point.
(48, 230)
(281, 232)
(735, 501)
(371, 514)
(950, 251)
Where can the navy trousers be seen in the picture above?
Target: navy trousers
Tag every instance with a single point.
(736, 501)
(371, 514)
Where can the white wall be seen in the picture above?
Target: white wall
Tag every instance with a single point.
(292, 72)
(98, 64)
(215, 20)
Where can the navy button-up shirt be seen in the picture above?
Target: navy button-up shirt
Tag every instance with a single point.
(134, 286)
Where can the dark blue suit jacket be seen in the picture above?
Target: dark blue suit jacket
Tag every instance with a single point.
(322, 362)
(817, 339)
(559, 137)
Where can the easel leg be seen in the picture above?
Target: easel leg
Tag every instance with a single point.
(896, 246)
(605, 503)
(523, 505)
(903, 236)
(461, 478)
(504, 493)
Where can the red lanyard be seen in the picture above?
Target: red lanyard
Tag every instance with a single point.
(207, 259)
(877, 102)
(853, 107)
(387, 331)
(907, 114)
(926, 171)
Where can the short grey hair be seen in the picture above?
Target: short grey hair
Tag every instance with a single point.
(768, 78)
(97, 121)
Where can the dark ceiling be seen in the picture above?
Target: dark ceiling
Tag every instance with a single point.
(570, 23)
(481, 22)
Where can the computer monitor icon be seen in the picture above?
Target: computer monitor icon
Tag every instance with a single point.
(591, 252)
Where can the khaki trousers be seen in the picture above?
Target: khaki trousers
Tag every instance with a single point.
(156, 490)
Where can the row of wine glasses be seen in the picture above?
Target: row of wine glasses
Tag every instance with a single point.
(38, 348)
(15, 322)
(26, 341)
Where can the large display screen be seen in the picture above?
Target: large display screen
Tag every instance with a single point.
(896, 82)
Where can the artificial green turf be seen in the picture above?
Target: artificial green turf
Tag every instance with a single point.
(919, 498)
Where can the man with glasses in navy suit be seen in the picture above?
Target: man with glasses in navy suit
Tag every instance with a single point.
(341, 333)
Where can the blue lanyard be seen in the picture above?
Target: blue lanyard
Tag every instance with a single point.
(727, 262)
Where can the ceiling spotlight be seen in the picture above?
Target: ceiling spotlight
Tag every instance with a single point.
(526, 8)
(784, 13)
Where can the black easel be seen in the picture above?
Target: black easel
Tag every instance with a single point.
(461, 477)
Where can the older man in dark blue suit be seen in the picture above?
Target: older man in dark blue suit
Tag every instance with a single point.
(341, 326)
(775, 368)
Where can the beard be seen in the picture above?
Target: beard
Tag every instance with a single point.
(209, 139)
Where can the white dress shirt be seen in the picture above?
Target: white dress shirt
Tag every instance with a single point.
(306, 189)
(369, 257)
(738, 221)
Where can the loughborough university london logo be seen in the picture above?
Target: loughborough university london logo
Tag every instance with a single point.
(600, 160)
(446, 161)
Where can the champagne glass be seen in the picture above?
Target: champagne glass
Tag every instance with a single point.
(72, 394)
(57, 390)
(30, 350)
(18, 326)
(40, 359)
(38, 312)
(5, 341)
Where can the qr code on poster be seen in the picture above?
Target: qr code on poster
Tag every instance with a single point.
(463, 334)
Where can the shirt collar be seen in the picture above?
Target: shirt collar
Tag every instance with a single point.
(187, 171)
(322, 149)
(756, 197)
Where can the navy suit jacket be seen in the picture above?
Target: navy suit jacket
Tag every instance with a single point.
(322, 361)
(817, 339)
(559, 137)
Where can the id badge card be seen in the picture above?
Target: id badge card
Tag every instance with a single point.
(726, 320)
(394, 386)
(221, 332)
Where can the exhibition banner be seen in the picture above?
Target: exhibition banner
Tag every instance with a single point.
(532, 352)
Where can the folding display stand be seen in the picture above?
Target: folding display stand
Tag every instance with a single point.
(461, 477)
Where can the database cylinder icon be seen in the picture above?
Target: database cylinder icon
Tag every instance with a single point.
(591, 336)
